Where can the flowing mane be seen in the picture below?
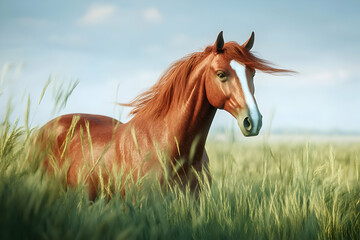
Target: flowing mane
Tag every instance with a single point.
(156, 101)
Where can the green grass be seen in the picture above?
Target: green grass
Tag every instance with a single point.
(259, 191)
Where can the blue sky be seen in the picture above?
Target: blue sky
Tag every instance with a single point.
(117, 49)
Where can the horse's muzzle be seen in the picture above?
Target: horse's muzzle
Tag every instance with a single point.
(250, 124)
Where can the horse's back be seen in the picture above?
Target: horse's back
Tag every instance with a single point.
(67, 131)
(82, 119)
(63, 125)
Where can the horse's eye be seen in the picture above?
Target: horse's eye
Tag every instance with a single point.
(222, 76)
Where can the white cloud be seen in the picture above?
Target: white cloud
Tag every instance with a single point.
(98, 14)
(152, 15)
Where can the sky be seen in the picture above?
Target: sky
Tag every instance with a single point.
(118, 49)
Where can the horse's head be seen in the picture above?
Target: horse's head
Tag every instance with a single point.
(229, 83)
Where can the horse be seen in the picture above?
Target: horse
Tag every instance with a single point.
(173, 116)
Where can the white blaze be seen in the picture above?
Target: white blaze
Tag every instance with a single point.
(254, 113)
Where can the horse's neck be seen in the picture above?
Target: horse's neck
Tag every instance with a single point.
(191, 120)
(186, 123)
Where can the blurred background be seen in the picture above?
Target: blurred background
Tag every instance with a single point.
(118, 49)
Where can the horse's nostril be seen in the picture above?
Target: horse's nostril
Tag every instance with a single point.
(247, 124)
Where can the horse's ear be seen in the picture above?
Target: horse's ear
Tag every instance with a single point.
(219, 42)
(250, 42)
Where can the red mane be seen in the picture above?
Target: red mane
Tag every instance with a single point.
(156, 101)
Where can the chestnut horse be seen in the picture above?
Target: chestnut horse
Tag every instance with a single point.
(173, 117)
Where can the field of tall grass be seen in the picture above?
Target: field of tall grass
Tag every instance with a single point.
(264, 190)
